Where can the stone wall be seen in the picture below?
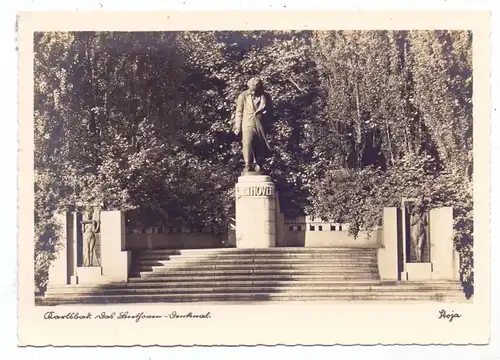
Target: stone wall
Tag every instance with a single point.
(298, 232)
(173, 238)
(307, 231)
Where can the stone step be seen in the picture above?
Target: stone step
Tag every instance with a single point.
(175, 278)
(229, 270)
(245, 290)
(250, 288)
(271, 267)
(269, 251)
(254, 297)
(227, 267)
(374, 284)
(259, 252)
(322, 260)
(153, 277)
(265, 259)
(215, 283)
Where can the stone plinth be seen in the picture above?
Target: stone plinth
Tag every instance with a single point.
(445, 258)
(255, 212)
(388, 252)
(59, 270)
(418, 272)
(91, 275)
(115, 259)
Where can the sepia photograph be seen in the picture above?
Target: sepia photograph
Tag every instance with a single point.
(254, 166)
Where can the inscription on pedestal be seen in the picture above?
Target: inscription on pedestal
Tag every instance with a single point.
(255, 212)
(255, 190)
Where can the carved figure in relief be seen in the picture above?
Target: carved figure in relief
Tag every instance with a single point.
(91, 228)
(418, 232)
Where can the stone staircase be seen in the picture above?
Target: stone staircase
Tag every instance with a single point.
(260, 275)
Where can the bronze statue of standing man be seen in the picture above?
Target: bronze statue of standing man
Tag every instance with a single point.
(253, 113)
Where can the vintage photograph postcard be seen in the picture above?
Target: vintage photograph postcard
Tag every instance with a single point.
(254, 178)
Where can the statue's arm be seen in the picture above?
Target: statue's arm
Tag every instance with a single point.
(239, 113)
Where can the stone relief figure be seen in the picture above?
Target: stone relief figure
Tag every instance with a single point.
(418, 233)
(91, 228)
(253, 112)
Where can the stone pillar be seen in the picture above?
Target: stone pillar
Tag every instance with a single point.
(73, 231)
(115, 260)
(445, 259)
(255, 212)
(59, 270)
(387, 256)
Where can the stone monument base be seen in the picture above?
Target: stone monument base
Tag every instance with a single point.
(89, 275)
(255, 212)
(417, 272)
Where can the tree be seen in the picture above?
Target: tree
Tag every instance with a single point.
(143, 122)
(405, 99)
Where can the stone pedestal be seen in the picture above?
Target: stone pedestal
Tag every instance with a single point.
(445, 258)
(255, 212)
(417, 272)
(89, 275)
(115, 259)
(60, 268)
(387, 255)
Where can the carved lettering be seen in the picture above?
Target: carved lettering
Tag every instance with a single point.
(258, 190)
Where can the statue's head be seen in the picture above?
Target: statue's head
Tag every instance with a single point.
(255, 85)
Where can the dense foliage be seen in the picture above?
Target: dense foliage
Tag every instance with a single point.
(142, 122)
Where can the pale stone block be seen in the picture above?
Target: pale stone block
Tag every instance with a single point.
(269, 227)
(59, 268)
(418, 271)
(115, 260)
(444, 257)
(270, 204)
(255, 212)
(91, 275)
(264, 215)
(73, 231)
(387, 255)
(256, 241)
(253, 203)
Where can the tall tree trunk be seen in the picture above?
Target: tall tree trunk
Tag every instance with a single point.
(389, 142)
(358, 145)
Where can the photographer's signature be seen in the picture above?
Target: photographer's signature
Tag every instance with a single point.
(448, 316)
